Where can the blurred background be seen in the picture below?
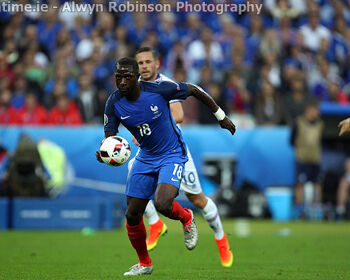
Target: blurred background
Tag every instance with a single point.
(282, 76)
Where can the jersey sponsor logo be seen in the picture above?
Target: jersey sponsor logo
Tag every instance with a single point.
(123, 118)
(105, 119)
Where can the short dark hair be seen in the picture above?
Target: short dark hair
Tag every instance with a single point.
(148, 49)
(129, 61)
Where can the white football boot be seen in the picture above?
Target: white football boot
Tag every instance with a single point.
(138, 269)
(191, 234)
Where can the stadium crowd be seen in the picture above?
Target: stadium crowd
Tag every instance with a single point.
(57, 67)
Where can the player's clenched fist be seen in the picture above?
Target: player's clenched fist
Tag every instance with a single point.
(344, 126)
(228, 124)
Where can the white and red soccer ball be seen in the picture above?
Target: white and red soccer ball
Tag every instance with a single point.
(115, 150)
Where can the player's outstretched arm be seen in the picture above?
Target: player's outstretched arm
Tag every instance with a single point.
(206, 99)
(344, 126)
(98, 155)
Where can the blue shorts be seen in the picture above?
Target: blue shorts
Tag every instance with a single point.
(145, 177)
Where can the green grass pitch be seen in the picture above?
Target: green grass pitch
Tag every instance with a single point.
(299, 250)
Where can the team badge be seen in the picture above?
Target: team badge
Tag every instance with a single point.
(154, 109)
(156, 113)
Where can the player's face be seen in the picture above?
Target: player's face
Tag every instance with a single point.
(148, 66)
(125, 79)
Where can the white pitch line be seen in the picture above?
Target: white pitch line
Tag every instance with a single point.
(98, 185)
(106, 186)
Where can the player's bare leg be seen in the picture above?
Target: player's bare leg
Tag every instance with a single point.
(299, 199)
(157, 227)
(299, 193)
(211, 215)
(342, 196)
(318, 192)
(137, 235)
(165, 204)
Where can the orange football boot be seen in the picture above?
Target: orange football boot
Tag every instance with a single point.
(226, 255)
(155, 231)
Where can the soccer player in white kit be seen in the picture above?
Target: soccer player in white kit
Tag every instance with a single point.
(148, 62)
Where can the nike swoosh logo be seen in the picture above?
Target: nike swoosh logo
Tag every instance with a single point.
(123, 118)
(172, 179)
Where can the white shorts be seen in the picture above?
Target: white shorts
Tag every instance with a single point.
(190, 181)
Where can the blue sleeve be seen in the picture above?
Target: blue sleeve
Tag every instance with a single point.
(172, 90)
(111, 122)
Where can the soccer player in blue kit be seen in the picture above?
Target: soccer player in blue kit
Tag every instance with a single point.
(143, 108)
(148, 61)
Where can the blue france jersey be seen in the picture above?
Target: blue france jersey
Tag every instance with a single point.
(149, 119)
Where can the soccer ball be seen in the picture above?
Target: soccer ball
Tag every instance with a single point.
(115, 150)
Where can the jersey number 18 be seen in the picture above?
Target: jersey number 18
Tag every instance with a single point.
(144, 129)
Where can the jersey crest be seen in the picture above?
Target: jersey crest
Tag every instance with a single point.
(154, 109)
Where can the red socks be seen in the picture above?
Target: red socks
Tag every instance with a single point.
(182, 214)
(137, 236)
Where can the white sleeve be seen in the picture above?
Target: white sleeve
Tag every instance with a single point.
(174, 101)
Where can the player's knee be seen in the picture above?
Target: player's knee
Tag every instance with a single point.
(198, 200)
(199, 203)
(133, 217)
(163, 206)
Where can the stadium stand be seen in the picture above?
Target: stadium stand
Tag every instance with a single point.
(253, 58)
